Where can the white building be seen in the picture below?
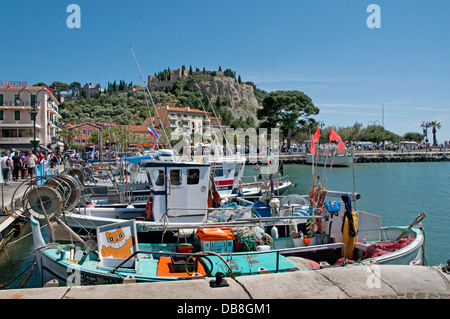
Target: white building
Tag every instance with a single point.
(16, 117)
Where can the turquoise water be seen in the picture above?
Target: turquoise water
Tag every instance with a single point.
(397, 192)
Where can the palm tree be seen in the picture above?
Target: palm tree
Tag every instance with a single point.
(436, 126)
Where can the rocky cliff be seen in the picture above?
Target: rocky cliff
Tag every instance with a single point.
(213, 82)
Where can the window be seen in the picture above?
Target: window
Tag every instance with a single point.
(175, 177)
(1, 99)
(193, 176)
(17, 115)
(158, 177)
(218, 172)
(84, 132)
(25, 132)
(1, 115)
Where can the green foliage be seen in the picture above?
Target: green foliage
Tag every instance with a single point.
(288, 110)
(378, 134)
(121, 108)
(413, 137)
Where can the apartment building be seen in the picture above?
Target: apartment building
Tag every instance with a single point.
(185, 120)
(19, 106)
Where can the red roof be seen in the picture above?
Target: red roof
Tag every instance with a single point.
(180, 109)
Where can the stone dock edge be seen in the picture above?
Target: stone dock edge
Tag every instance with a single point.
(353, 282)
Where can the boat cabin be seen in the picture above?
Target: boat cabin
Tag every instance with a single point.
(179, 191)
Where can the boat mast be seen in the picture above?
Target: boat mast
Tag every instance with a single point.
(143, 83)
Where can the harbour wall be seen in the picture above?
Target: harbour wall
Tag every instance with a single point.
(368, 157)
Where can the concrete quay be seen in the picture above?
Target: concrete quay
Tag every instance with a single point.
(370, 157)
(353, 282)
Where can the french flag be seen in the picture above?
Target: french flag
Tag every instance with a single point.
(152, 132)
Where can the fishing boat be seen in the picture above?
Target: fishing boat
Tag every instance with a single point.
(180, 193)
(189, 247)
(210, 252)
(115, 188)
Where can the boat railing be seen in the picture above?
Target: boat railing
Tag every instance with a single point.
(222, 256)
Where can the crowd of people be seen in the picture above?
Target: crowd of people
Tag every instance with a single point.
(22, 164)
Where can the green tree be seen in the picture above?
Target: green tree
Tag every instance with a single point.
(378, 134)
(58, 87)
(76, 88)
(68, 137)
(413, 136)
(288, 110)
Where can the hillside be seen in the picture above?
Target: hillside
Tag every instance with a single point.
(216, 91)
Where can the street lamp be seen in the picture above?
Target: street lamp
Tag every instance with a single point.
(33, 114)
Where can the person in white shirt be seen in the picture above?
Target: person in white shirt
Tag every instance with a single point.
(6, 167)
(31, 164)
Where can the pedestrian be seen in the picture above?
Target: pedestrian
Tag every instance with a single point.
(17, 165)
(24, 165)
(6, 167)
(31, 163)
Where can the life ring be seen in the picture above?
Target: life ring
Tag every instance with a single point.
(149, 208)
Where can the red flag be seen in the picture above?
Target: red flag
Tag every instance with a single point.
(334, 136)
(315, 138)
(341, 146)
(312, 149)
(48, 88)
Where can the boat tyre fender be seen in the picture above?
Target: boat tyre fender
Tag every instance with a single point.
(149, 208)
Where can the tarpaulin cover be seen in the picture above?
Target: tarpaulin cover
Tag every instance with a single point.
(212, 234)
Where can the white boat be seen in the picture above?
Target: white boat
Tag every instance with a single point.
(180, 194)
(322, 160)
(227, 172)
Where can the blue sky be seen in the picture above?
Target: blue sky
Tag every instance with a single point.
(323, 48)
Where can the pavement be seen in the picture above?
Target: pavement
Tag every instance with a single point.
(352, 282)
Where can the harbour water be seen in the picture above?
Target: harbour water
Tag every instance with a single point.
(397, 192)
